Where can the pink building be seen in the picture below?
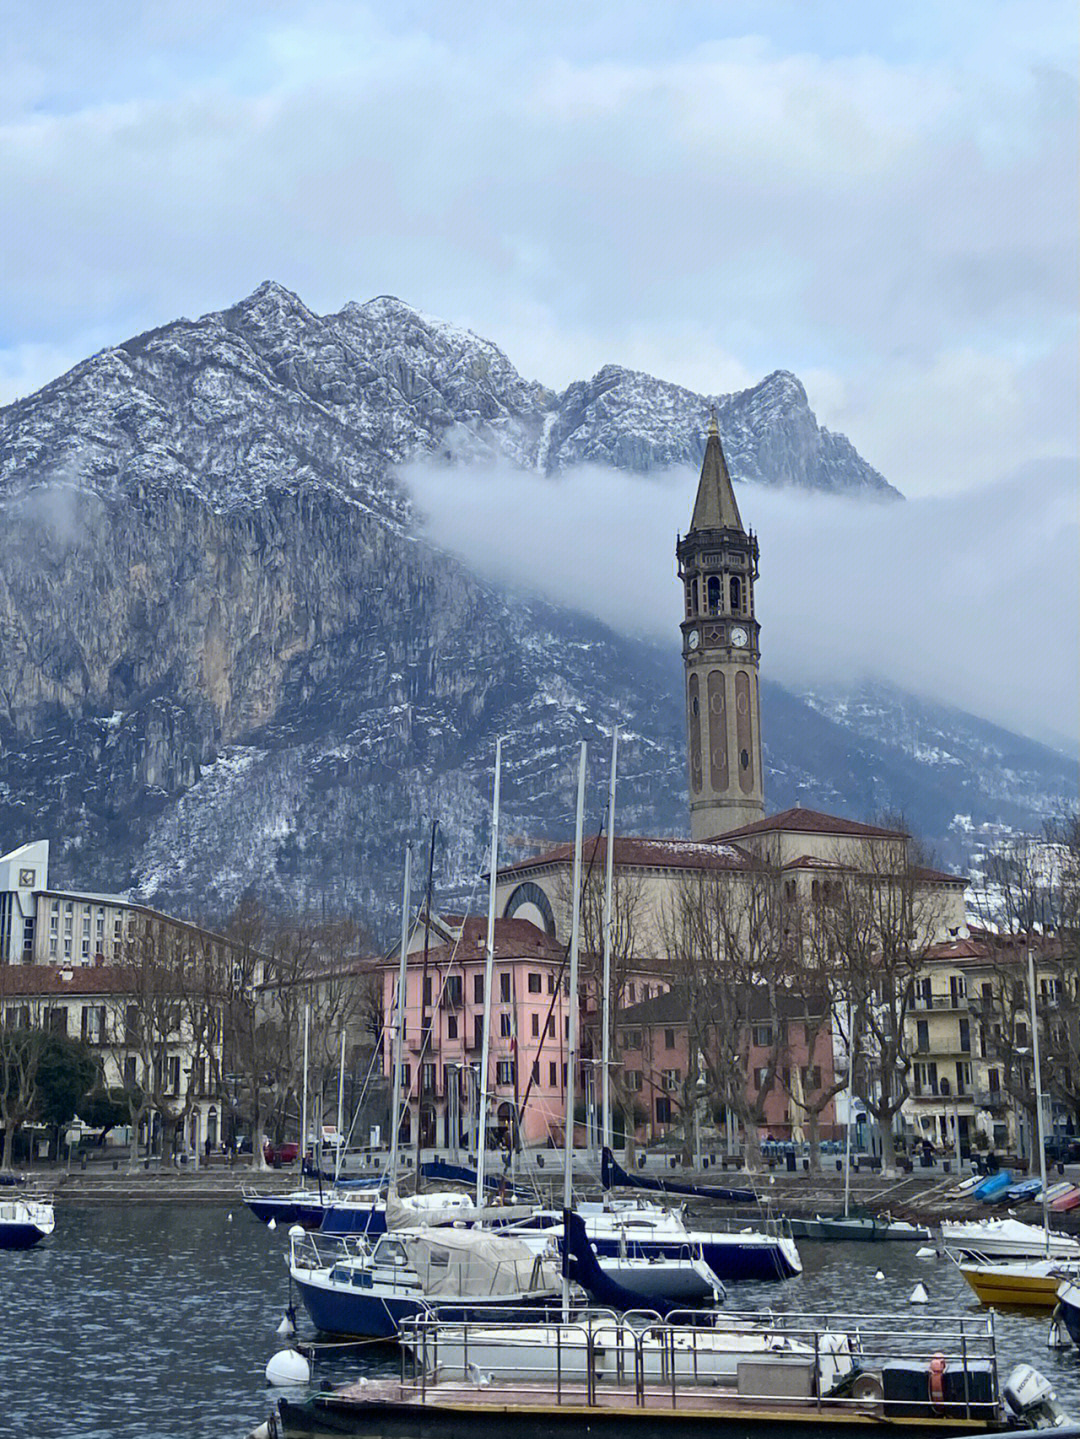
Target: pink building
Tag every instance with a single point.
(529, 1030)
(444, 1016)
(653, 1053)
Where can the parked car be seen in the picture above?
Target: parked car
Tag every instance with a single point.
(1063, 1149)
(278, 1154)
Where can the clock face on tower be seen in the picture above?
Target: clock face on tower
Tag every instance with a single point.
(739, 637)
(693, 639)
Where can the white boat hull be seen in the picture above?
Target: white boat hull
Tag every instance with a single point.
(1007, 1239)
(533, 1352)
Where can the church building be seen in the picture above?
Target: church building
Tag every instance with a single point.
(732, 837)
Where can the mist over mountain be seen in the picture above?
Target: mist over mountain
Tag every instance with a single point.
(232, 660)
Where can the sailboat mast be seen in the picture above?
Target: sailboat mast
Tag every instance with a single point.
(399, 1024)
(1038, 1094)
(427, 1049)
(605, 1000)
(572, 1003)
(340, 1108)
(303, 1107)
(489, 972)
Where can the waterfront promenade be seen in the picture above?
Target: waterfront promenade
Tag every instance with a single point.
(925, 1195)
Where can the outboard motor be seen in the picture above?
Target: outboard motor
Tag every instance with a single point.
(1031, 1399)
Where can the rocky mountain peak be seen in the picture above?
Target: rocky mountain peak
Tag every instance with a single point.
(227, 663)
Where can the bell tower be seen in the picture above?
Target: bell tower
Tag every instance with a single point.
(718, 564)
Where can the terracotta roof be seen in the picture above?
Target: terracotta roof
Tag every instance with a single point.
(514, 939)
(809, 861)
(22, 981)
(938, 876)
(645, 853)
(982, 945)
(958, 949)
(811, 821)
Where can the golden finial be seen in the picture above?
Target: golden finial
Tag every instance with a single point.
(714, 428)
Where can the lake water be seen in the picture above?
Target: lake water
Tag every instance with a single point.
(157, 1322)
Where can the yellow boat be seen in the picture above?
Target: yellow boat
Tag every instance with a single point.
(1030, 1282)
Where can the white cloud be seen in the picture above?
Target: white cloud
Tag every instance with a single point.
(969, 598)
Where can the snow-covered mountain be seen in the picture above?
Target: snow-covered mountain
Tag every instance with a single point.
(227, 661)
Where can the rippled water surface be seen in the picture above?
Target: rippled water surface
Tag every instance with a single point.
(156, 1323)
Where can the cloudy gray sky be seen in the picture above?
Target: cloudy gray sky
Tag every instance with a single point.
(880, 197)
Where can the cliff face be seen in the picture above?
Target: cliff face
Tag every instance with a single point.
(227, 663)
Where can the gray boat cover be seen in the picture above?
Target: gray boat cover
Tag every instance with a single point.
(470, 1262)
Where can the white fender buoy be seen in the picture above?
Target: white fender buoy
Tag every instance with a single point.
(880, 1274)
(228, 1217)
(287, 1367)
(272, 1224)
(296, 1231)
(925, 1253)
(286, 1329)
(919, 1295)
(261, 1431)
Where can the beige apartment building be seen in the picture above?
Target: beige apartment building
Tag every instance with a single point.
(100, 1005)
(959, 1090)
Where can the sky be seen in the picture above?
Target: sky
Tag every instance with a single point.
(880, 197)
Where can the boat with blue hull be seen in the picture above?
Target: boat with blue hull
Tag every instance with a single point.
(1068, 1308)
(456, 1275)
(25, 1222)
(647, 1231)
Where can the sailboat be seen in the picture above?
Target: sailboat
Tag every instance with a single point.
(1003, 1260)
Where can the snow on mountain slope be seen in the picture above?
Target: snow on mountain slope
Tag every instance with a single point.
(226, 662)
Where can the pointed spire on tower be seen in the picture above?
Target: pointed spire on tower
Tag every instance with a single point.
(715, 507)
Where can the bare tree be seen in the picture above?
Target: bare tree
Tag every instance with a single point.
(882, 917)
(628, 913)
(725, 933)
(1030, 901)
(152, 1021)
(279, 970)
(818, 984)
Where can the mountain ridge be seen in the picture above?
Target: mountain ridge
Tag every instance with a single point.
(228, 664)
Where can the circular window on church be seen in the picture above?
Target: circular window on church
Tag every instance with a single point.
(744, 758)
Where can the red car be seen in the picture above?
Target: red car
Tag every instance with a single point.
(278, 1154)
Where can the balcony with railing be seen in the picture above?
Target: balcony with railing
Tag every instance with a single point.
(924, 1003)
(929, 1093)
(993, 1099)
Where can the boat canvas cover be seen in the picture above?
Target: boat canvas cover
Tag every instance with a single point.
(402, 1214)
(469, 1261)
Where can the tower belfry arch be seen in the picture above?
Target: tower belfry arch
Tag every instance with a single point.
(718, 565)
